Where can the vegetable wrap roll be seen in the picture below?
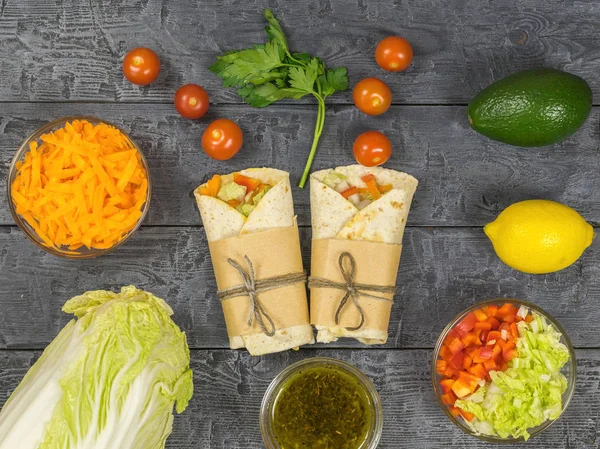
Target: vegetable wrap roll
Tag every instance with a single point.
(358, 220)
(253, 238)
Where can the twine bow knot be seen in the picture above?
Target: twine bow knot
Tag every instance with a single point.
(353, 289)
(252, 287)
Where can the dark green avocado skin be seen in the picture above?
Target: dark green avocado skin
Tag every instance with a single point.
(532, 108)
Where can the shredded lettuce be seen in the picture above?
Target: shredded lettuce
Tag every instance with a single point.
(248, 207)
(108, 380)
(333, 178)
(258, 197)
(231, 191)
(245, 209)
(529, 392)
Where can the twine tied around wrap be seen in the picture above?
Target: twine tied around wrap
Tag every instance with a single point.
(251, 287)
(353, 290)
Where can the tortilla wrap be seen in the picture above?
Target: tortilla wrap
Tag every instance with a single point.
(382, 221)
(275, 210)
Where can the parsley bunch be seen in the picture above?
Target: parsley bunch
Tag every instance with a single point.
(269, 72)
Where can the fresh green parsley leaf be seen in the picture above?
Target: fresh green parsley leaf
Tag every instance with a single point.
(302, 57)
(274, 31)
(334, 80)
(264, 95)
(304, 78)
(253, 65)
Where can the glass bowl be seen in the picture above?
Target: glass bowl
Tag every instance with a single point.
(83, 252)
(569, 370)
(275, 388)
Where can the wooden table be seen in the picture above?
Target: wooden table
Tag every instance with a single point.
(63, 57)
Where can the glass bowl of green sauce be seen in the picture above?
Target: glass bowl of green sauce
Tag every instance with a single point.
(321, 403)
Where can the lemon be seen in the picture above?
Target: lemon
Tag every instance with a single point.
(539, 236)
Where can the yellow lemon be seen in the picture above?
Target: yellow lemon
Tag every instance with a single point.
(539, 236)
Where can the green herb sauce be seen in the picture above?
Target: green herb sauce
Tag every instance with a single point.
(321, 408)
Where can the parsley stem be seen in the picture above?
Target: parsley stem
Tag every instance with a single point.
(317, 135)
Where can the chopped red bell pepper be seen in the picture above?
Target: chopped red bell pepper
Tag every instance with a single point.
(250, 183)
(440, 366)
(455, 411)
(490, 365)
(467, 362)
(471, 339)
(448, 398)
(446, 385)
(494, 322)
(480, 315)
(514, 332)
(509, 355)
(450, 336)
(456, 346)
(486, 326)
(451, 373)
(496, 352)
(456, 360)
(349, 192)
(492, 310)
(493, 337)
(467, 323)
(478, 370)
(506, 310)
(467, 415)
(470, 379)
(445, 353)
(461, 388)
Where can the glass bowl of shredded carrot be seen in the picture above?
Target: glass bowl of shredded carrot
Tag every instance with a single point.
(79, 187)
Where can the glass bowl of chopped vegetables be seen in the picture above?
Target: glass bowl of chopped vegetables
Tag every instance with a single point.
(504, 370)
(79, 187)
(321, 403)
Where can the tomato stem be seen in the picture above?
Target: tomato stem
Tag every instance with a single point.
(317, 135)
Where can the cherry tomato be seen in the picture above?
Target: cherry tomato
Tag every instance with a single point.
(141, 66)
(372, 96)
(394, 54)
(372, 148)
(222, 139)
(191, 101)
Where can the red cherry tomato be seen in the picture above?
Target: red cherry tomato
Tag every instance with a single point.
(141, 66)
(191, 101)
(222, 139)
(394, 54)
(372, 148)
(372, 96)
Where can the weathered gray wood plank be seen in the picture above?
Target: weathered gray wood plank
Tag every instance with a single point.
(465, 178)
(229, 386)
(442, 271)
(72, 50)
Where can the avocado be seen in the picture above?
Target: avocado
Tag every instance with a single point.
(531, 108)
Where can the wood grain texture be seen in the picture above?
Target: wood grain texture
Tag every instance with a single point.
(229, 386)
(72, 50)
(442, 271)
(465, 178)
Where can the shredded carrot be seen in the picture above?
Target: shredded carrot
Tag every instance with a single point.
(211, 188)
(81, 185)
(369, 180)
(385, 188)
